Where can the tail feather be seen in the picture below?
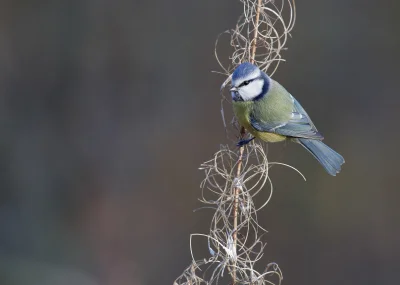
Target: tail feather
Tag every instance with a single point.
(328, 158)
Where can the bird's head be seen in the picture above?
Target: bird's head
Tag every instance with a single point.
(249, 83)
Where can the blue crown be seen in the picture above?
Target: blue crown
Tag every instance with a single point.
(243, 69)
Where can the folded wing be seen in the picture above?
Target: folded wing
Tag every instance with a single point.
(298, 126)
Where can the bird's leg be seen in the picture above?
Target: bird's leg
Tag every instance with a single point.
(244, 142)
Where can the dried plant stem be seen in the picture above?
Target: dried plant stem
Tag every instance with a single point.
(254, 46)
(241, 150)
(236, 202)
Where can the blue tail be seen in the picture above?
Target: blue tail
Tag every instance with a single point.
(328, 158)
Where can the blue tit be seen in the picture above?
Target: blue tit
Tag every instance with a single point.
(269, 112)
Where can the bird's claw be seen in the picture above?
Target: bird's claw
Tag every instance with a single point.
(244, 142)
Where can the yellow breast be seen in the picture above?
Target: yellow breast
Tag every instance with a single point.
(242, 111)
(268, 137)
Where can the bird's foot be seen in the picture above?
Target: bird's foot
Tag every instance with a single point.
(244, 142)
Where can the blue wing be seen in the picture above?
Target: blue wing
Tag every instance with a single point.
(299, 125)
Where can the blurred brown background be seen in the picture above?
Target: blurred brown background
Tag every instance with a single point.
(109, 107)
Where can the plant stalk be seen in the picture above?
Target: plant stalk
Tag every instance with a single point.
(241, 150)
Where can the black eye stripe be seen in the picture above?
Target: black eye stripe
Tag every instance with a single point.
(244, 83)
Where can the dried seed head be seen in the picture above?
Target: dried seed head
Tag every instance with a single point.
(234, 240)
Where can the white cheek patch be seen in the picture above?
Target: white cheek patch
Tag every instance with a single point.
(252, 90)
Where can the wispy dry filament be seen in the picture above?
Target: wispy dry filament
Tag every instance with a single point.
(261, 26)
(224, 258)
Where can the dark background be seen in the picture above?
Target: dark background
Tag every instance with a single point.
(109, 107)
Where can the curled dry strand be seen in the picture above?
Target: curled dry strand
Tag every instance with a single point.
(272, 33)
(218, 193)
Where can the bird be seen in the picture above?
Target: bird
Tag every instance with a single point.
(269, 112)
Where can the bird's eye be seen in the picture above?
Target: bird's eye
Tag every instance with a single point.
(244, 83)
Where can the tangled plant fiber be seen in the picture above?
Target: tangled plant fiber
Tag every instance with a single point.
(233, 178)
